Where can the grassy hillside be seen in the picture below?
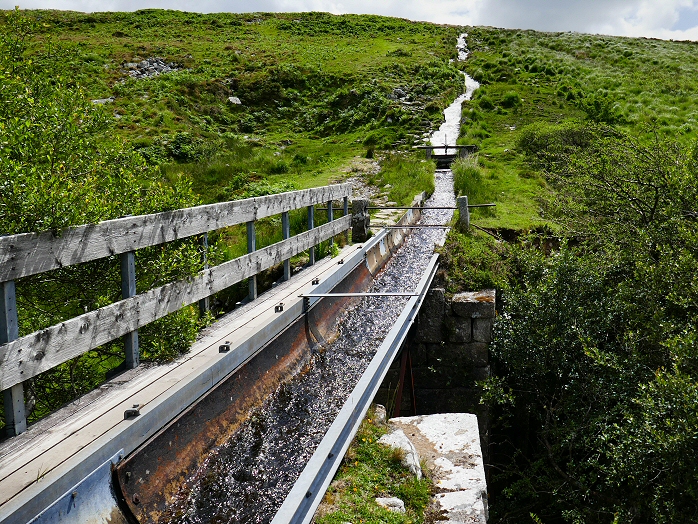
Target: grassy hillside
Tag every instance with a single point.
(246, 105)
(643, 86)
(312, 87)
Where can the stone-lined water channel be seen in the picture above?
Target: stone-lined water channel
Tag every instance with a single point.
(247, 479)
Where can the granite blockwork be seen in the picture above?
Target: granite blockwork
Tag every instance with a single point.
(450, 354)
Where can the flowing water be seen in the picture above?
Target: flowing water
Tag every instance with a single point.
(247, 479)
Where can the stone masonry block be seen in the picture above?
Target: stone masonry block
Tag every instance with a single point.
(481, 373)
(482, 330)
(459, 329)
(419, 354)
(478, 354)
(431, 317)
(474, 304)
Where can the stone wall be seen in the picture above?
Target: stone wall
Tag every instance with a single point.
(450, 353)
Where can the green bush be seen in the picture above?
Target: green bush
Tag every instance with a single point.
(511, 99)
(485, 103)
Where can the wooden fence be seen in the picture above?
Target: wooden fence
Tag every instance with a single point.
(32, 253)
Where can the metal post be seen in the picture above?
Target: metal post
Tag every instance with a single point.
(204, 302)
(128, 289)
(346, 212)
(330, 218)
(311, 225)
(13, 398)
(286, 231)
(251, 247)
(429, 153)
(462, 204)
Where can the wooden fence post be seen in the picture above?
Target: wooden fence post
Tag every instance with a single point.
(204, 302)
(330, 218)
(13, 398)
(286, 232)
(251, 247)
(128, 289)
(311, 225)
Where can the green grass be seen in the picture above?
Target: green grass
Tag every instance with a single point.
(371, 470)
(644, 86)
(407, 174)
(313, 86)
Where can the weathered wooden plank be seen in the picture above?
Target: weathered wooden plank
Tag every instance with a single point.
(40, 351)
(31, 253)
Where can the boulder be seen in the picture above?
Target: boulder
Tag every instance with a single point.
(391, 504)
(397, 439)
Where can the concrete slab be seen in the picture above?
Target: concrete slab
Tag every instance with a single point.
(450, 443)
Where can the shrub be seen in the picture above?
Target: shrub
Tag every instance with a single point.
(468, 180)
(485, 102)
(511, 99)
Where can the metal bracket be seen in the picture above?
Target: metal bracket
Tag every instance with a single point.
(225, 347)
(279, 308)
(132, 412)
(316, 281)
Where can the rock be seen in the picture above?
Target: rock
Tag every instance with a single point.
(475, 304)
(380, 415)
(459, 329)
(234, 100)
(482, 330)
(398, 439)
(148, 68)
(391, 504)
(102, 101)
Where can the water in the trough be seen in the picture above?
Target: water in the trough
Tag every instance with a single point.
(247, 479)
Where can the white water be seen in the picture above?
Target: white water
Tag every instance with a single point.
(448, 133)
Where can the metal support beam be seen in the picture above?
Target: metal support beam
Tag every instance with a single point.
(251, 247)
(346, 212)
(204, 302)
(13, 398)
(405, 366)
(330, 218)
(286, 232)
(128, 289)
(311, 225)
(326, 295)
(424, 226)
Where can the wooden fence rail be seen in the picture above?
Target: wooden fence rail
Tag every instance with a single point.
(31, 253)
